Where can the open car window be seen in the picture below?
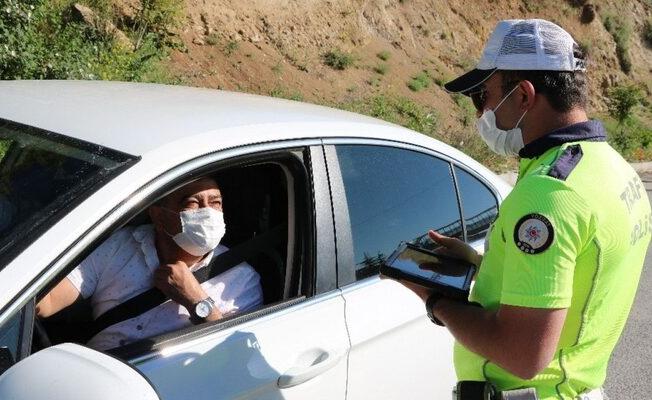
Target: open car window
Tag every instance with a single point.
(42, 176)
(266, 197)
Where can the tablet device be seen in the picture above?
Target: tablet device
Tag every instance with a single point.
(449, 276)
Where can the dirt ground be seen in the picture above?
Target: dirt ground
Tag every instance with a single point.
(277, 46)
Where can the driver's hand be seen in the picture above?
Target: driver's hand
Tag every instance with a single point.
(456, 248)
(179, 284)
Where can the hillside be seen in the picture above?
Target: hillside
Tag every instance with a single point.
(278, 47)
(281, 43)
(386, 58)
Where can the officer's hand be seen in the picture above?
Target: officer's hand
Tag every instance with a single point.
(456, 248)
(179, 284)
(421, 291)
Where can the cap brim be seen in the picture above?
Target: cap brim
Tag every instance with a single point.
(472, 79)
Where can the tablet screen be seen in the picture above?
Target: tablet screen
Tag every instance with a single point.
(428, 266)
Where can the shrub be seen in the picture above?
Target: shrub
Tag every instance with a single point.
(38, 41)
(375, 82)
(631, 136)
(466, 109)
(647, 31)
(531, 6)
(633, 140)
(622, 100)
(212, 39)
(384, 55)
(4, 146)
(157, 19)
(419, 81)
(442, 79)
(339, 60)
(277, 68)
(381, 69)
(283, 93)
(586, 46)
(231, 47)
(621, 31)
(470, 142)
(398, 110)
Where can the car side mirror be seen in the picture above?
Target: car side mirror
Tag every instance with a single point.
(73, 372)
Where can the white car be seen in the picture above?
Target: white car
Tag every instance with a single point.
(339, 191)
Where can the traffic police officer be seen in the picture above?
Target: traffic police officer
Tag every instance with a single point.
(563, 259)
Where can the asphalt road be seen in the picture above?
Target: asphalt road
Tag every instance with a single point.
(630, 371)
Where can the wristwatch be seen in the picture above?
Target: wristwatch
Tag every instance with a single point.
(202, 310)
(430, 303)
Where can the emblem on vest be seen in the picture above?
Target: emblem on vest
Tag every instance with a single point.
(533, 234)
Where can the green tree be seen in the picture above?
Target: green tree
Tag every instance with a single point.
(622, 102)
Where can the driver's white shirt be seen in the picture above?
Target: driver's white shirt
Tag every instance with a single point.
(123, 266)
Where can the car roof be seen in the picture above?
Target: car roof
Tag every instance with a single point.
(136, 118)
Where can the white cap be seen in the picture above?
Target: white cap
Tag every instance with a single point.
(522, 44)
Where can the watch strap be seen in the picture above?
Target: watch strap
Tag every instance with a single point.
(196, 319)
(430, 303)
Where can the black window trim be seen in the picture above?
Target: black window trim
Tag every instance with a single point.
(343, 236)
(481, 180)
(459, 200)
(326, 256)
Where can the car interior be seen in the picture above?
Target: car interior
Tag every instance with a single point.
(260, 201)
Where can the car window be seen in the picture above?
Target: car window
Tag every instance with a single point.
(267, 227)
(42, 174)
(395, 195)
(479, 205)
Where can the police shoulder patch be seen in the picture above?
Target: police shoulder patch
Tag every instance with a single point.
(533, 234)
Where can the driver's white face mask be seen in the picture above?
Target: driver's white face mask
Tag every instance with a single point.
(201, 230)
(505, 143)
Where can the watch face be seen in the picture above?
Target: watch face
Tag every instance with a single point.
(203, 309)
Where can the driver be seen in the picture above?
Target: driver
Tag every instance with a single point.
(187, 226)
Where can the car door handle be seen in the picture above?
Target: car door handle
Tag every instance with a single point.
(307, 366)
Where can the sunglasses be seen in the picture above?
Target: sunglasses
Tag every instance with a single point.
(479, 98)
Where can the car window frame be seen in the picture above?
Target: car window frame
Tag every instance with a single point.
(175, 177)
(345, 258)
(483, 182)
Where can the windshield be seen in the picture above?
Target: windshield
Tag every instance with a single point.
(42, 176)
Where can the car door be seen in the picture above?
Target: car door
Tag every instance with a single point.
(296, 349)
(388, 195)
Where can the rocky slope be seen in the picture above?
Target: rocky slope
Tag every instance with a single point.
(277, 46)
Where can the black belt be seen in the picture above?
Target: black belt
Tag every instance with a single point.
(482, 390)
